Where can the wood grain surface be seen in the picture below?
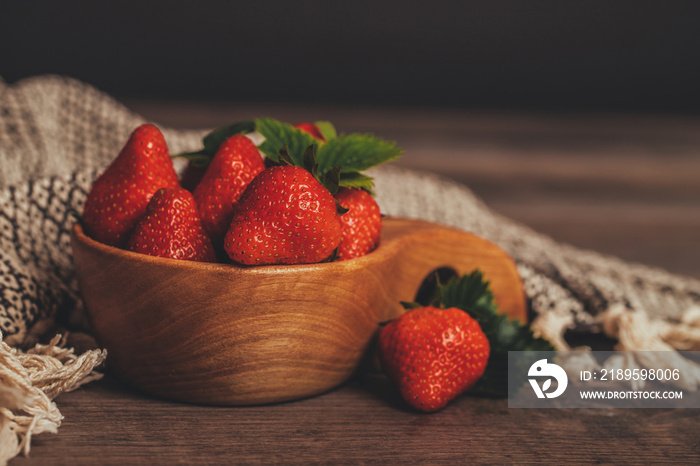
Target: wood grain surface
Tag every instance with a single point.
(624, 185)
(361, 422)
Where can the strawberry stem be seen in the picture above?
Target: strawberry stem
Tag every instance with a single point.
(197, 159)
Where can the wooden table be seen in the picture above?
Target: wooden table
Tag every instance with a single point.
(628, 186)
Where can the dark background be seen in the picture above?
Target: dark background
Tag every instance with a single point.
(624, 56)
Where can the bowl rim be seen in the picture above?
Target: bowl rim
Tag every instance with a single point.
(78, 235)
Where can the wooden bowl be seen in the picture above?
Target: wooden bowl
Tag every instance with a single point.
(229, 335)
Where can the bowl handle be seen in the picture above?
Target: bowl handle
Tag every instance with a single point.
(422, 247)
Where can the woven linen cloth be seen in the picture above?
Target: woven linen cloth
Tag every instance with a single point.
(58, 134)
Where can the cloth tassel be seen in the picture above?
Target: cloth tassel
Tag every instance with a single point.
(29, 381)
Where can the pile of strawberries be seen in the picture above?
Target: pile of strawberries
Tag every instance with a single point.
(245, 208)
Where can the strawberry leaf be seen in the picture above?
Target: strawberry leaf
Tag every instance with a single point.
(278, 134)
(469, 292)
(309, 160)
(327, 129)
(283, 157)
(356, 152)
(472, 294)
(331, 179)
(356, 180)
(213, 140)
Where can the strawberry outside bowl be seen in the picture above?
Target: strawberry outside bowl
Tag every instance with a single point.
(224, 334)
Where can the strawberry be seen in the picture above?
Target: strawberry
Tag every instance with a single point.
(199, 160)
(311, 129)
(119, 196)
(171, 228)
(433, 355)
(235, 164)
(361, 225)
(285, 216)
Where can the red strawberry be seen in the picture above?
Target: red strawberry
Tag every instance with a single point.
(311, 129)
(235, 164)
(361, 224)
(171, 228)
(284, 217)
(433, 355)
(119, 196)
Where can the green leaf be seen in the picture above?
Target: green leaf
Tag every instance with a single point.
(356, 152)
(356, 180)
(278, 134)
(472, 294)
(213, 140)
(469, 292)
(331, 179)
(283, 156)
(327, 129)
(309, 160)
